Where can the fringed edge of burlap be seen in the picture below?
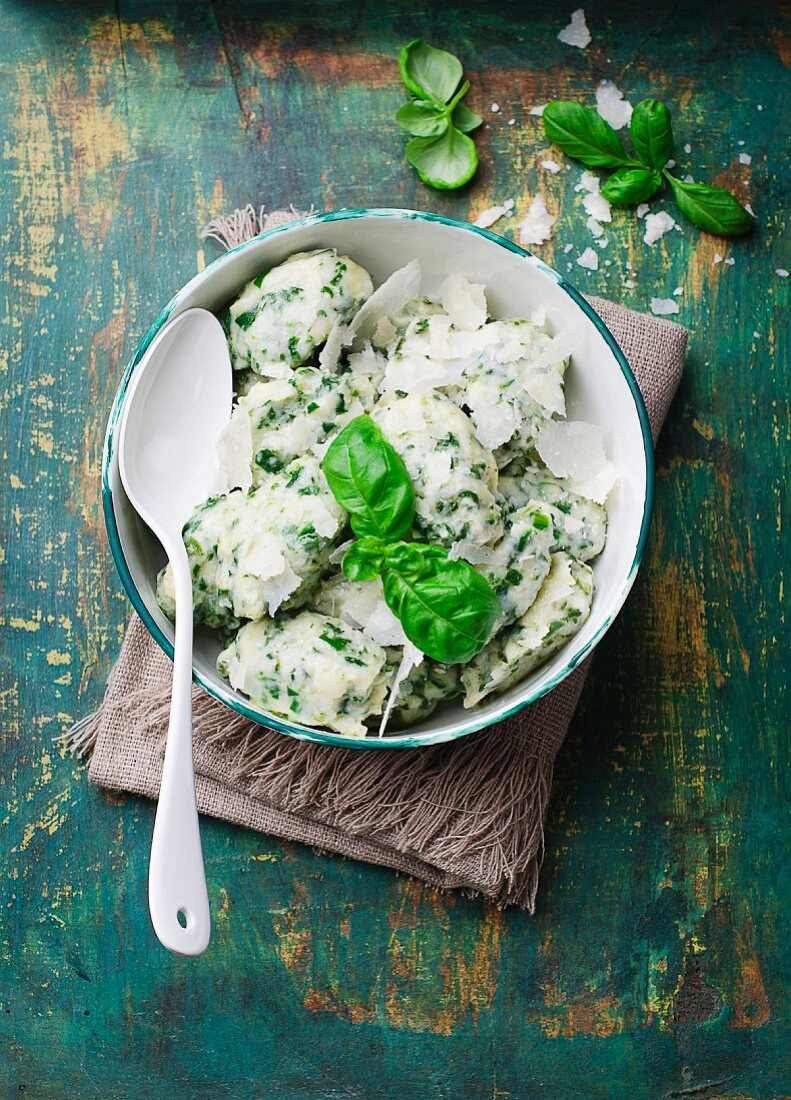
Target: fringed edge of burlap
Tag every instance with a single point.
(353, 790)
(80, 739)
(247, 222)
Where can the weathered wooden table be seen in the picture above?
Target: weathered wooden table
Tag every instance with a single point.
(658, 962)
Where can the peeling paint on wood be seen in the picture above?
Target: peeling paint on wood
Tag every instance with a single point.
(658, 962)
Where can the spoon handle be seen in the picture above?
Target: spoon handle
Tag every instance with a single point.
(177, 896)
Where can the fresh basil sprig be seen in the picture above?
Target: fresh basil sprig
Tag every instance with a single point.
(631, 185)
(369, 480)
(440, 151)
(446, 608)
(583, 134)
(364, 560)
(652, 133)
(712, 208)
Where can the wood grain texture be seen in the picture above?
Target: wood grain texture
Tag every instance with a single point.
(658, 963)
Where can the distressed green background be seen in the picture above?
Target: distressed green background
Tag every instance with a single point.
(658, 962)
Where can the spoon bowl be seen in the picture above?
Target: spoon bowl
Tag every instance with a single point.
(179, 401)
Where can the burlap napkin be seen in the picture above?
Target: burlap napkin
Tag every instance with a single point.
(468, 814)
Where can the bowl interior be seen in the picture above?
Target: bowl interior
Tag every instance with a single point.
(599, 389)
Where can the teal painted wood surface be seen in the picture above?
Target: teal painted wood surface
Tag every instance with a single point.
(658, 963)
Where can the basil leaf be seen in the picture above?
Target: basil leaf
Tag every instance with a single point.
(583, 134)
(429, 73)
(444, 162)
(364, 560)
(369, 480)
(446, 608)
(652, 133)
(422, 119)
(629, 185)
(464, 119)
(711, 208)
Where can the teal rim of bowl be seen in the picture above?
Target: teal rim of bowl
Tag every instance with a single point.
(395, 741)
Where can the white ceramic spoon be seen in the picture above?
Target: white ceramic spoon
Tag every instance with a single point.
(178, 400)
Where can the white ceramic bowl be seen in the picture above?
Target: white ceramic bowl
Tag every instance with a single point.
(600, 389)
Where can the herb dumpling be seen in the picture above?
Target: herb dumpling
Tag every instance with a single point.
(279, 420)
(513, 387)
(423, 689)
(517, 565)
(284, 316)
(454, 476)
(253, 554)
(560, 609)
(309, 668)
(580, 525)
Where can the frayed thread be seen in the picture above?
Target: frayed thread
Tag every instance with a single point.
(80, 740)
(247, 222)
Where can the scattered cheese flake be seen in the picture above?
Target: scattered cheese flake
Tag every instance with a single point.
(588, 182)
(611, 105)
(388, 298)
(595, 204)
(781, 271)
(489, 216)
(760, 106)
(560, 347)
(663, 306)
(235, 450)
(747, 207)
(336, 557)
(687, 148)
(756, 336)
(538, 110)
(494, 426)
(589, 259)
(411, 658)
(730, 261)
(629, 284)
(279, 588)
(537, 225)
(384, 627)
(359, 602)
(745, 158)
(595, 227)
(330, 354)
(642, 209)
(656, 225)
(603, 242)
(576, 33)
(688, 178)
(551, 166)
(678, 290)
(575, 449)
(470, 551)
(717, 258)
(464, 302)
(511, 121)
(670, 164)
(384, 333)
(324, 521)
(567, 248)
(509, 204)
(495, 108)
